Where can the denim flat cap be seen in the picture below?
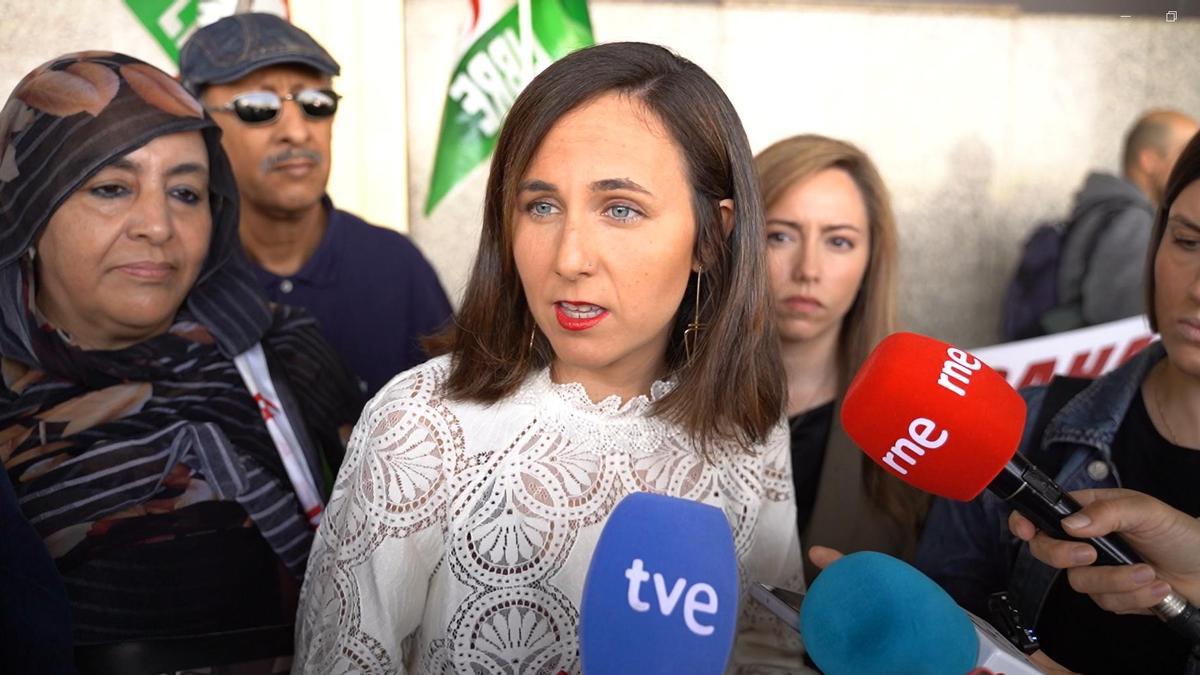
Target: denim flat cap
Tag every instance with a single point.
(242, 43)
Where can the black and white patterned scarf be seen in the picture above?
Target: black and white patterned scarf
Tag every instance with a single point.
(102, 446)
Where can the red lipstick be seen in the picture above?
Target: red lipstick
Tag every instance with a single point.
(578, 316)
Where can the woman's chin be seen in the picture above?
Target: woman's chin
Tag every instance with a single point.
(1184, 356)
(796, 331)
(581, 361)
(142, 325)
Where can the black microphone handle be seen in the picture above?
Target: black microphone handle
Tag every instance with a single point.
(1036, 496)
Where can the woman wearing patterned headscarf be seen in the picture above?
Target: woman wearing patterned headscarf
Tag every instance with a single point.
(168, 434)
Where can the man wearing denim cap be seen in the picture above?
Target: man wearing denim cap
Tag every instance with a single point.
(268, 85)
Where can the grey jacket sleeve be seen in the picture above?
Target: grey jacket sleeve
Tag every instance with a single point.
(1112, 287)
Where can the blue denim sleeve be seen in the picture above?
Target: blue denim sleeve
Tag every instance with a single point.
(966, 546)
(967, 550)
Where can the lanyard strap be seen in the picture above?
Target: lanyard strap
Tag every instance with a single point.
(252, 365)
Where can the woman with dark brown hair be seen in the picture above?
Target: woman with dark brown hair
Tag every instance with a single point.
(1138, 428)
(616, 337)
(832, 258)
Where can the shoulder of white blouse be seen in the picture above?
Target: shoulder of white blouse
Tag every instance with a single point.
(430, 375)
(415, 393)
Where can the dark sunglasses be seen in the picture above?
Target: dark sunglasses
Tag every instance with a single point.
(262, 107)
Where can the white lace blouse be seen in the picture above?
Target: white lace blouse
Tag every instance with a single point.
(458, 534)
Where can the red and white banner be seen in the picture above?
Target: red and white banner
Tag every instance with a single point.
(1087, 352)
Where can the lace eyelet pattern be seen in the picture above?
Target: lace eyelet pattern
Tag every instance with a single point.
(459, 534)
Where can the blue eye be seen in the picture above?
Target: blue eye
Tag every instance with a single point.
(841, 242)
(778, 238)
(541, 209)
(622, 212)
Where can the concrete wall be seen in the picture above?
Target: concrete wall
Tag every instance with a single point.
(983, 120)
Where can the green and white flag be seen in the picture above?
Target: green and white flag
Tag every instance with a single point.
(169, 21)
(172, 22)
(508, 43)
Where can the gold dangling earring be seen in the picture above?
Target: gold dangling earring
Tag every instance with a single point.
(528, 356)
(691, 336)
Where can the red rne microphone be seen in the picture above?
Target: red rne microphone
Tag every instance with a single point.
(942, 421)
(933, 415)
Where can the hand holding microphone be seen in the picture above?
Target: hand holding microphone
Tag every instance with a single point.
(939, 419)
(1168, 539)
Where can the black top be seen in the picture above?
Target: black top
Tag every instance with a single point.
(35, 619)
(224, 579)
(1072, 628)
(810, 435)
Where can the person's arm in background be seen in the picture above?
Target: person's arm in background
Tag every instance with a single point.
(1113, 286)
(965, 550)
(965, 547)
(1167, 539)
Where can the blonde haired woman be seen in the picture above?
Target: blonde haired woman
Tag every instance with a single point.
(832, 257)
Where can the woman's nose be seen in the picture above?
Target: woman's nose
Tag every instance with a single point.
(150, 218)
(576, 250)
(808, 263)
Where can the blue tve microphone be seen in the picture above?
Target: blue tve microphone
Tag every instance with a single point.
(871, 613)
(661, 594)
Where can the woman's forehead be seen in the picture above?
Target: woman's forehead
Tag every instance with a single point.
(165, 153)
(1187, 202)
(613, 137)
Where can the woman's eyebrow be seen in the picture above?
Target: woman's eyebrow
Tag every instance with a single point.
(188, 168)
(1185, 221)
(833, 227)
(828, 227)
(606, 184)
(536, 186)
(126, 164)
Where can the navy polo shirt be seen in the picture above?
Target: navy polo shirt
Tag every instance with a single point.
(373, 294)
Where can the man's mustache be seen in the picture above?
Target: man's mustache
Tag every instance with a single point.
(289, 154)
